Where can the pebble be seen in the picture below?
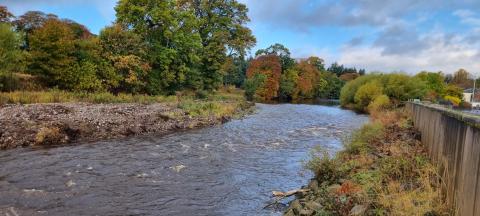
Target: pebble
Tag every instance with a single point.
(358, 210)
(70, 183)
(178, 168)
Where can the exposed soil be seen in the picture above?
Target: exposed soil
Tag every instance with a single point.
(56, 124)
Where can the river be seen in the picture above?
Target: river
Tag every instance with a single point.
(229, 169)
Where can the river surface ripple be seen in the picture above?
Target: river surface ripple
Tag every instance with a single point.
(229, 169)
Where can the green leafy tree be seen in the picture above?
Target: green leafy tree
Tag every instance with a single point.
(253, 84)
(221, 26)
(317, 62)
(52, 50)
(29, 22)
(119, 41)
(435, 82)
(88, 53)
(340, 70)
(329, 86)
(234, 70)
(83, 77)
(126, 51)
(173, 42)
(336, 69)
(362, 72)
(401, 87)
(288, 84)
(10, 54)
(133, 72)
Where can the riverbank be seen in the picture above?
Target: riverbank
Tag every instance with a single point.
(384, 170)
(47, 124)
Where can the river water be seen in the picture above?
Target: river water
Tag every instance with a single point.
(229, 169)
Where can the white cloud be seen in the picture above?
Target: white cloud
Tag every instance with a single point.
(442, 55)
(402, 35)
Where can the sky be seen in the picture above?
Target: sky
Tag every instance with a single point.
(378, 35)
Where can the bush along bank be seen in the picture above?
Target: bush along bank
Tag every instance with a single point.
(52, 124)
(383, 170)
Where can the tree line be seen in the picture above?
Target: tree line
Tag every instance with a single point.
(154, 47)
(159, 48)
(378, 91)
(274, 75)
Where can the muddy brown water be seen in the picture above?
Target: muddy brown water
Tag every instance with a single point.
(230, 169)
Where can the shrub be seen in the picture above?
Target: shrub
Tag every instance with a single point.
(361, 139)
(454, 91)
(401, 87)
(366, 94)
(434, 82)
(253, 84)
(347, 94)
(50, 136)
(380, 103)
(454, 100)
(9, 82)
(201, 94)
(323, 166)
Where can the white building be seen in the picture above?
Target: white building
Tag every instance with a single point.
(468, 97)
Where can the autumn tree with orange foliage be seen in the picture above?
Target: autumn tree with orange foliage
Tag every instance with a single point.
(270, 66)
(308, 76)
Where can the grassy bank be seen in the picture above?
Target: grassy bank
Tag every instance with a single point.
(383, 170)
(57, 96)
(220, 103)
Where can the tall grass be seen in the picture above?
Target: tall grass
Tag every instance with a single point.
(56, 96)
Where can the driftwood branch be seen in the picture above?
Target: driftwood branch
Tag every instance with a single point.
(282, 195)
(289, 193)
